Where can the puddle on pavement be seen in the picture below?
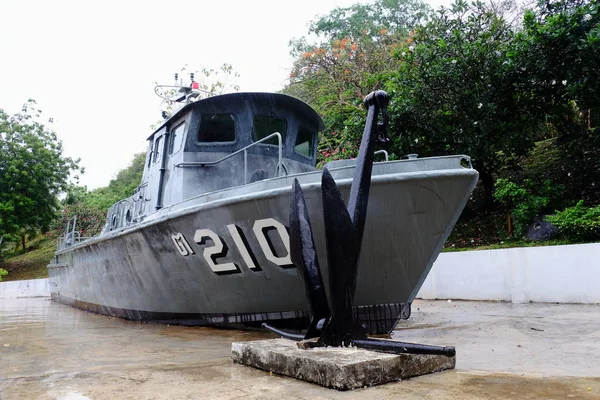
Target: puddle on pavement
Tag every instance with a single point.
(52, 351)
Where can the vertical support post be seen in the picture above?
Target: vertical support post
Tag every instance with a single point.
(163, 168)
(66, 235)
(245, 166)
(280, 150)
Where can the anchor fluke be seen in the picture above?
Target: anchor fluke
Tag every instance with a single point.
(303, 253)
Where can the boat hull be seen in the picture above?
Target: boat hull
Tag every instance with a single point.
(224, 259)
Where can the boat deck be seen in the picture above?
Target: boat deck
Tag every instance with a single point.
(528, 351)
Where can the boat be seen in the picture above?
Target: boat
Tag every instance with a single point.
(204, 239)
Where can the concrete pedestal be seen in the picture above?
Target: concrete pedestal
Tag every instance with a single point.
(337, 368)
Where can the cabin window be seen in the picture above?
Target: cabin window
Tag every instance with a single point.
(150, 153)
(304, 142)
(216, 128)
(157, 145)
(176, 138)
(265, 125)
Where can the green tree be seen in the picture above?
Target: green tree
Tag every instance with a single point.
(33, 172)
(120, 187)
(457, 91)
(353, 47)
(397, 17)
(558, 53)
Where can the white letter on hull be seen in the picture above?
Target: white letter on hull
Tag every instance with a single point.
(259, 230)
(242, 246)
(217, 250)
(182, 244)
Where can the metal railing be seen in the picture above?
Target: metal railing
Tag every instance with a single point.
(385, 154)
(121, 214)
(71, 236)
(278, 168)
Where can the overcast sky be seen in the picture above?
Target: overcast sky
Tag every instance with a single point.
(91, 66)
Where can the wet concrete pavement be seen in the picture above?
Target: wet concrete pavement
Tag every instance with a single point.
(529, 351)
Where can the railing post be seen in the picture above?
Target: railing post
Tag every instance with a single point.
(280, 145)
(245, 166)
(66, 234)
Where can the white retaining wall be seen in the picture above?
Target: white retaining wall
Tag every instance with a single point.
(29, 288)
(546, 274)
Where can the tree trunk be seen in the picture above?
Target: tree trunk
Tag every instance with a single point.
(23, 242)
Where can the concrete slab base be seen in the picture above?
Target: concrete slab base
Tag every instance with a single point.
(337, 368)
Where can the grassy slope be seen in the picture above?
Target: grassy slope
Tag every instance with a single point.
(32, 263)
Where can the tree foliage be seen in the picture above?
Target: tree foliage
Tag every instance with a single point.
(333, 73)
(464, 80)
(33, 172)
(559, 49)
(458, 92)
(120, 187)
(89, 220)
(525, 202)
(578, 223)
(516, 89)
(558, 52)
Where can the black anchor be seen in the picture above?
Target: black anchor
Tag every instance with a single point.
(333, 322)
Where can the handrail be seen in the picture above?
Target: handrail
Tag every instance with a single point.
(70, 236)
(244, 150)
(385, 154)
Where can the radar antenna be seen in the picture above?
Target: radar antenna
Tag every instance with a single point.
(178, 93)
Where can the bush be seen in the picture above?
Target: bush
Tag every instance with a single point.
(525, 202)
(89, 220)
(578, 223)
(3, 272)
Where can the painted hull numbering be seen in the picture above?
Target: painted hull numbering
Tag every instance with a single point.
(198, 244)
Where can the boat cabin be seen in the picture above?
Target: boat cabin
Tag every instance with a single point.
(221, 142)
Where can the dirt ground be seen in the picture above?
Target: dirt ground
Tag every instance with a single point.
(504, 351)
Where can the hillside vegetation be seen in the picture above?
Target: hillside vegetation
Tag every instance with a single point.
(30, 264)
(29, 261)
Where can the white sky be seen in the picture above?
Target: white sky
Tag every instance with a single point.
(91, 65)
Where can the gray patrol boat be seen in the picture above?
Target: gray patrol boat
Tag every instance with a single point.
(204, 238)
